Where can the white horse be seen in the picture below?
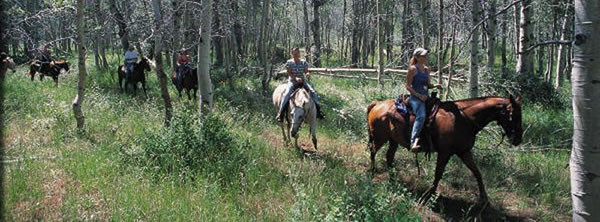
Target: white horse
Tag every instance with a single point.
(301, 108)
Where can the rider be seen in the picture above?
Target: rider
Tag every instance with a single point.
(183, 64)
(417, 83)
(45, 58)
(296, 68)
(131, 57)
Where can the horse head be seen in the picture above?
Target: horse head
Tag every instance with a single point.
(300, 102)
(10, 63)
(145, 64)
(511, 119)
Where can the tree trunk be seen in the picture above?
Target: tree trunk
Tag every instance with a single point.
(524, 58)
(380, 42)
(356, 33)
(316, 28)
(78, 101)
(123, 33)
(218, 39)
(561, 52)
(491, 35)
(407, 32)
(440, 66)
(584, 165)
(451, 68)
(176, 30)
(342, 49)
(204, 83)
(551, 48)
(389, 29)
(266, 77)
(424, 23)
(156, 7)
(474, 70)
(504, 36)
(306, 31)
(516, 16)
(3, 38)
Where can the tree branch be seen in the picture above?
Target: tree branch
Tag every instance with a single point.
(548, 42)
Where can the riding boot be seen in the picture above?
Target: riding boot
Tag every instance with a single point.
(278, 117)
(415, 147)
(319, 113)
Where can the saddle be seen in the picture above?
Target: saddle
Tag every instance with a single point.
(431, 108)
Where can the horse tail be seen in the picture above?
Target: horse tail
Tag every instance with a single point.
(370, 107)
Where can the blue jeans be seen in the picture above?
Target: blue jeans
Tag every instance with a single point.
(291, 87)
(418, 108)
(129, 67)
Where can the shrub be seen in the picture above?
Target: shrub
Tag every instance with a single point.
(185, 150)
(532, 88)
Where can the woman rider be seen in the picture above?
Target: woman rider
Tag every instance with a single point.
(296, 68)
(417, 83)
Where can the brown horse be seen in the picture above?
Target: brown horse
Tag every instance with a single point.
(189, 82)
(5, 64)
(137, 75)
(52, 69)
(453, 130)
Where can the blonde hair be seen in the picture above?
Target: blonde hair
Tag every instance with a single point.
(412, 61)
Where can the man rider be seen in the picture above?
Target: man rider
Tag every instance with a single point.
(183, 64)
(131, 57)
(296, 68)
(45, 59)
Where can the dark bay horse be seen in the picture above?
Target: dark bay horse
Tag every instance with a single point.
(6, 63)
(138, 75)
(452, 132)
(52, 69)
(189, 82)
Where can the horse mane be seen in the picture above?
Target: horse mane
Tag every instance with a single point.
(468, 103)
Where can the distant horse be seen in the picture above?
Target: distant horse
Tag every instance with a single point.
(301, 108)
(453, 130)
(5, 64)
(52, 69)
(136, 76)
(189, 82)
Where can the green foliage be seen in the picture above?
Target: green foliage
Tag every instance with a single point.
(185, 150)
(365, 201)
(534, 89)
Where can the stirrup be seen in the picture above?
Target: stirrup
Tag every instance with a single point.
(415, 147)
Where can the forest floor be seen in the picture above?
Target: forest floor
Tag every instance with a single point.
(53, 172)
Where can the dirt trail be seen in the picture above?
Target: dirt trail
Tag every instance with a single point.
(450, 205)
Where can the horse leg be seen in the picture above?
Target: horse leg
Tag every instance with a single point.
(467, 159)
(285, 138)
(440, 165)
(390, 153)
(187, 91)
(55, 80)
(313, 133)
(144, 87)
(32, 74)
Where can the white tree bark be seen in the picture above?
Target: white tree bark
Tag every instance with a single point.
(524, 57)
(474, 70)
(204, 83)
(585, 155)
(77, 102)
(560, 63)
(156, 7)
